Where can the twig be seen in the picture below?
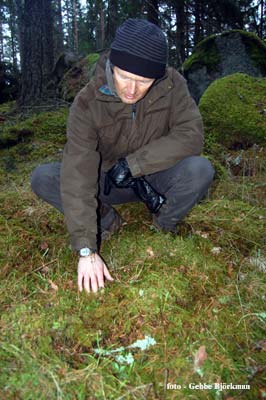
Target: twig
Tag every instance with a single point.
(217, 341)
(59, 391)
(142, 387)
(38, 269)
(259, 315)
(242, 309)
(166, 376)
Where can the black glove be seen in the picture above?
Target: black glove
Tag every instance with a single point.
(148, 195)
(119, 175)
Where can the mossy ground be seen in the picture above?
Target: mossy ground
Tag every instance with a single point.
(196, 289)
(204, 54)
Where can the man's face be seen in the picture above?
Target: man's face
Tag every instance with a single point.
(129, 87)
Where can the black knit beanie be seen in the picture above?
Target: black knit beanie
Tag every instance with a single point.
(140, 47)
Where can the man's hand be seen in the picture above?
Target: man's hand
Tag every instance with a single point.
(91, 273)
(119, 175)
(148, 195)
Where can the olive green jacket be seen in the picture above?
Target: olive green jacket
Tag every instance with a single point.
(164, 127)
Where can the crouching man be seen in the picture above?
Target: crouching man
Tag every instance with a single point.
(134, 134)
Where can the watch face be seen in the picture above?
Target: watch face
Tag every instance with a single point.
(85, 252)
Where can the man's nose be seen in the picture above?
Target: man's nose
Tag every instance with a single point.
(131, 86)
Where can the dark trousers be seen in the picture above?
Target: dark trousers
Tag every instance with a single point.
(183, 185)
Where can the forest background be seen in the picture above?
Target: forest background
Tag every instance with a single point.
(33, 33)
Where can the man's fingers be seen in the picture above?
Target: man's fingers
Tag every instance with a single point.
(91, 274)
(80, 279)
(100, 279)
(107, 274)
(94, 283)
(86, 282)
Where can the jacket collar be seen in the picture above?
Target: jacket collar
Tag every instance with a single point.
(108, 88)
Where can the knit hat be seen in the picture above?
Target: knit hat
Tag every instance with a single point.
(140, 47)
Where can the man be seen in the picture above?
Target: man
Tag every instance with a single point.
(134, 133)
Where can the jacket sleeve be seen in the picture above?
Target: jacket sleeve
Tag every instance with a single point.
(79, 176)
(184, 138)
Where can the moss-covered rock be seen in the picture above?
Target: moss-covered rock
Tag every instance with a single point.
(77, 77)
(205, 54)
(221, 55)
(14, 136)
(40, 137)
(65, 61)
(234, 111)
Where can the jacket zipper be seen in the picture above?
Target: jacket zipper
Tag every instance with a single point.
(134, 108)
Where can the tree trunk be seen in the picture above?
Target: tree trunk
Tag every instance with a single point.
(153, 11)
(1, 33)
(112, 22)
(59, 34)
(135, 8)
(198, 31)
(180, 31)
(100, 26)
(36, 45)
(75, 27)
(1, 42)
(262, 16)
(69, 36)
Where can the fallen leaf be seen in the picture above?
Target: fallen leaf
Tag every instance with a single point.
(29, 211)
(262, 393)
(45, 269)
(150, 252)
(53, 285)
(216, 250)
(260, 345)
(182, 269)
(230, 270)
(200, 357)
(205, 235)
(44, 246)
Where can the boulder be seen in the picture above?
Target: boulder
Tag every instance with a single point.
(77, 77)
(234, 112)
(64, 62)
(221, 55)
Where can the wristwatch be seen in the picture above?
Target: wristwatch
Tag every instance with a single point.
(86, 251)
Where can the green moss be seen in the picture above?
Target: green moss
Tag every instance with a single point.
(92, 59)
(47, 126)
(38, 138)
(204, 54)
(172, 288)
(233, 110)
(6, 107)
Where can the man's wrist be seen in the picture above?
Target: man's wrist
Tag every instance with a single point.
(86, 252)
